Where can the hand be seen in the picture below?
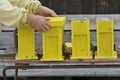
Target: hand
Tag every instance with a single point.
(39, 23)
(44, 11)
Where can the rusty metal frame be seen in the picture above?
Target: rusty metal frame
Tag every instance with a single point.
(54, 66)
(24, 64)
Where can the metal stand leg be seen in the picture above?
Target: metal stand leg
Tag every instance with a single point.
(16, 74)
(16, 68)
(7, 68)
(4, 73)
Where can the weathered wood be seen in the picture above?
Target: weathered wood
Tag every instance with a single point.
(83, 6)
(53, 4)
(45, 2)
(75, 6)
(103, 6)
(63, 6)
(76, 72)
(89, 6)
(114, 6)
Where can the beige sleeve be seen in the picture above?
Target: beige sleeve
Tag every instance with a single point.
(13, 13)
(30, 5)
(10, 15)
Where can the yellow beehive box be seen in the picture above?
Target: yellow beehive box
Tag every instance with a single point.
(81, 39)
(26, 43)
(52, 40)
(105, 39)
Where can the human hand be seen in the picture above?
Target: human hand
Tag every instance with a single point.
(44, 11)
(38, 22)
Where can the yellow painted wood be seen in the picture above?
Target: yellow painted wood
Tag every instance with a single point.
(26, 43)
(105, 39)
(81, 39)
(53, 40)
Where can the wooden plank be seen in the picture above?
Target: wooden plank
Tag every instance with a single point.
(76, 6)
(76, 72)
(83, 6)
(103, 6)
(43, 2)
(63, 6)
(10, 58)
(115, 6)
(89, 6)
(53, 4)
(50, 4)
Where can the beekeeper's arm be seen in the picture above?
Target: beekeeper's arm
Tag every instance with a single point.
(14, 16)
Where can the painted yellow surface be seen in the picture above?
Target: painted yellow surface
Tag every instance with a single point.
(105, 39)
(26, 43)
(52, 40)
(81, 39)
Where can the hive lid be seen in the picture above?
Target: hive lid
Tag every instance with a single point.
(57, 21)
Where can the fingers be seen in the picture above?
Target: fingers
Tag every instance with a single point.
(39, 23)
(47, 12)
(42, 29)
(46, 18)
(46, 23)
(52, 13)
(45, 26)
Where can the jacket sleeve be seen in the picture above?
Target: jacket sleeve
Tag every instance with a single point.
(30, 5)
(11, 15)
